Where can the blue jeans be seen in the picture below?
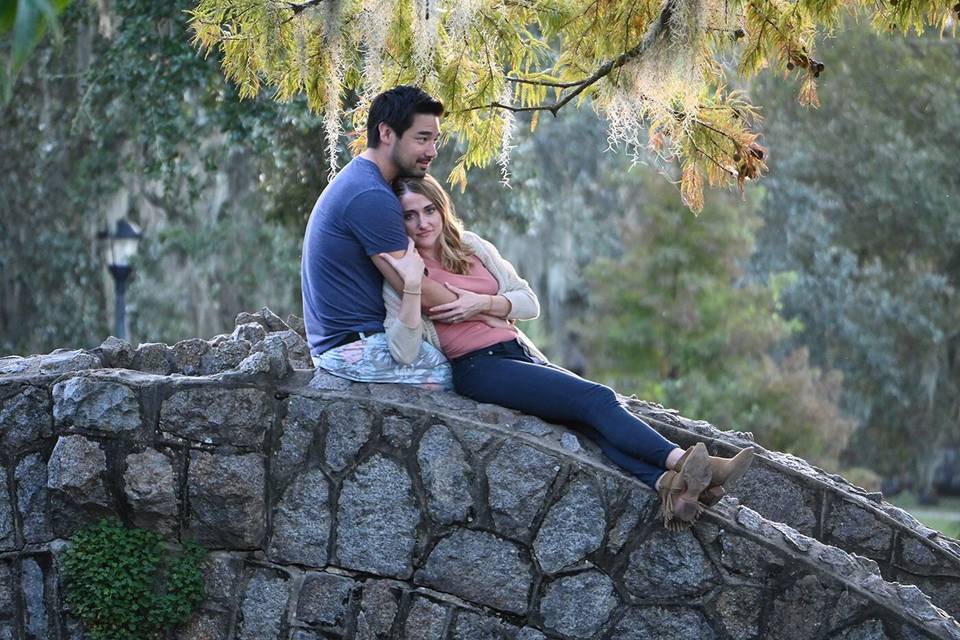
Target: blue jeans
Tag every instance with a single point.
(505, 374)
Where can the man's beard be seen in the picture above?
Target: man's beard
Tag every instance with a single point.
(407, 170)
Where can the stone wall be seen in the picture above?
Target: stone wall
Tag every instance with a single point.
(787, 489)
(340, 510)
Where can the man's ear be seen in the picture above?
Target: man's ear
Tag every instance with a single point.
(386, 133)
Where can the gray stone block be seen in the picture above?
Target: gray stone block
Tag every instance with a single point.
(301, 522)
(272, 321)
(348, 428)
(325, 600)
(443, 470)
(8, 537)
(668, 565)
(154, 357)
(643, 623)
(221, 570)
(578, 605)
(397, 431)
(641, 505)
(32, 589)
(296, 323)
(475, 440)
(532, 426)
(866, 630)
(150, 485)
(738, 610)
(32, 498)
(427, 620)
(94, 404)
(62, 361)
(275, 349)
(378, 609)
(855, 529)
(7, 589)
(75, 480)
(254, 365)
(748, 558)
(323, 381)
(298, 430)
(529, 633)
(917, 557)
(572, 529)
(187, 355)
(377, 517)
(212, 415)
(777, 497)
(25, 419)
(808, 609)
(224, 356)
(518, 478)
(204, 625)
(481, 568)
(264, 605)
(570, 442)
(252, 332)
(298, 351)
(227, 499)
(116, 353)
(473, 626)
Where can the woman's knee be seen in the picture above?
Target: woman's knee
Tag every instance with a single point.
(601, 393)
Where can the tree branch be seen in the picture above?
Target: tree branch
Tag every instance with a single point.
(298, 7)
(654, 32)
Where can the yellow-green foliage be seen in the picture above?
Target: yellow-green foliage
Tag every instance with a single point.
(644, 64)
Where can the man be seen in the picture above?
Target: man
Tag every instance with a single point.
(357, 217)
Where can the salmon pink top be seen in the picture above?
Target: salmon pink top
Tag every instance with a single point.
(459, 339)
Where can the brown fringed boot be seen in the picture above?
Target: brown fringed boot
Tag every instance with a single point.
(679, 490)
(725, 471)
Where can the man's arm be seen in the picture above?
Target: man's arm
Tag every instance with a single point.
(434, 293)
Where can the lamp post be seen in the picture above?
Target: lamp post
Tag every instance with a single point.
(121, 246)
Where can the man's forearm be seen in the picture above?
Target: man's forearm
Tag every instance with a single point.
(435, 293)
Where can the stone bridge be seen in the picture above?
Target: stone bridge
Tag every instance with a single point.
(342, 510)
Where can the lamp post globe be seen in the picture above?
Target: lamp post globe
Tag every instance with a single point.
(120, 247)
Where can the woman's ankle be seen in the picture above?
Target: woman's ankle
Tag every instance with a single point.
(673, 457)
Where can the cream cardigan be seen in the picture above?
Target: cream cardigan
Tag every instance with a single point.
(405, 342)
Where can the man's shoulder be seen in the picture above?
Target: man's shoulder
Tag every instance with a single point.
(357, 184)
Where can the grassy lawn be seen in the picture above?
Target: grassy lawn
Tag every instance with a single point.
(943, 516)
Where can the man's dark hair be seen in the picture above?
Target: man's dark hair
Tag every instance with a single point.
(396, 108)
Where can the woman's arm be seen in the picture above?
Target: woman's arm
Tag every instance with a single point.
(517, 299)
(404, 329)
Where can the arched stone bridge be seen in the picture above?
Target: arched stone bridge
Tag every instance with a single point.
(342, 510)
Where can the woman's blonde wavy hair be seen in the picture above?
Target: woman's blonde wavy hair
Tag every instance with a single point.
(454, 255)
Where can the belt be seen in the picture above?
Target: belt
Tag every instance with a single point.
(353, 336)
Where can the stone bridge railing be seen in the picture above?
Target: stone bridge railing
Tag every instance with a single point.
(786, 489)
(362, 511)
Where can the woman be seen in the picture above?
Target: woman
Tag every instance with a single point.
(493, 362)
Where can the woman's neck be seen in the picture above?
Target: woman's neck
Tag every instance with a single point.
(433, 253)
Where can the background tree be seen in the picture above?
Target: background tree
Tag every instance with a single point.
(862, 209)
(674, 320)
(125, 119)
(22, 25)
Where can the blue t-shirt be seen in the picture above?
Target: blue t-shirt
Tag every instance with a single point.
(355, 217)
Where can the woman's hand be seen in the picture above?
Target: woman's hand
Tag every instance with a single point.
(465, 307)
(409, 267)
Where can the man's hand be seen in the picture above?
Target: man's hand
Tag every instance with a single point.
(465, 307)
(409, 267)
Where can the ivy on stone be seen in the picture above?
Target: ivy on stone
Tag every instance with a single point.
(127, 582)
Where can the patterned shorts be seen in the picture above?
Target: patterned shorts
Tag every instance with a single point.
(369, 360)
